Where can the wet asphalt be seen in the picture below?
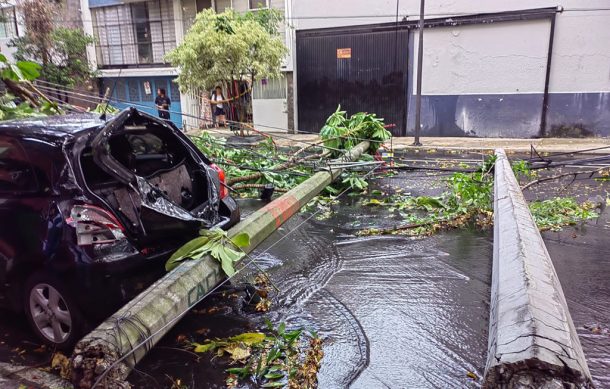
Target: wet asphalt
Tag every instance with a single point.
(394, 311)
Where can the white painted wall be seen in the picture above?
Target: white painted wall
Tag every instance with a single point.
(463, 59)
(4, 48)
(505, 57)
(269, 114)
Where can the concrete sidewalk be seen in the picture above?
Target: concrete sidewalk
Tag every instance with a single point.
(488, 145)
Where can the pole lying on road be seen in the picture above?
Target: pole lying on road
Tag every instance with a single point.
(124, 338)
(532, 339)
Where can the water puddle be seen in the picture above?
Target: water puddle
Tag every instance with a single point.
(581, 257)
(393, 311)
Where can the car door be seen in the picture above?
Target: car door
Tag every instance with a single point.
(22, 208)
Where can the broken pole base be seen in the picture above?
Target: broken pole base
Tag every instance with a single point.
(123, 339)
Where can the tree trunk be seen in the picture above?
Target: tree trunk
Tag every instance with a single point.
(21, 92)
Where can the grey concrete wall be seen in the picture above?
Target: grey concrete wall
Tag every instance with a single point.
(512, 115)
(532, 339)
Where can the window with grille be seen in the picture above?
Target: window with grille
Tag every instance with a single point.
(8, 23)
(274, 88)
(258, 4)
(134, 34)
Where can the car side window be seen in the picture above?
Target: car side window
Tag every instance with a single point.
(16, 173)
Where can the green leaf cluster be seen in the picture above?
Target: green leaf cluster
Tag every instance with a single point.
(341, 132)
(553, 214)
(18, 71)
(355, 182)
(105, 108)
(228, 46)
(216, 243)
(241, 162)
(63, 55)
(21, 71)
(270, 360)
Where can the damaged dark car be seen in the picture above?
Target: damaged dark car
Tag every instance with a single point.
(90, 210)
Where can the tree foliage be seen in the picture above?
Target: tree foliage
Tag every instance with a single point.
(61, 51)
(341, 132)
(229, 46)
(17, 77)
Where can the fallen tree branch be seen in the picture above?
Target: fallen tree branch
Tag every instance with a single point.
(558, 176)
(283, 166)
(441, 223)
(20, 91)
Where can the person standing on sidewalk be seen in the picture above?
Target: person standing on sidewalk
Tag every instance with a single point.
(163, 103)
(219, 100)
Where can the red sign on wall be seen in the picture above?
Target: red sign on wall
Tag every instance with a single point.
(344, 53)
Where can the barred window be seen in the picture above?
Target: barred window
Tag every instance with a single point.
(134, 90)
(8, 22)
(175, 91)
(274, 88)
(258, 4)
(134, 34)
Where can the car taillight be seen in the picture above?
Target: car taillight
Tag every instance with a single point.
(221, 176)
(95, 225)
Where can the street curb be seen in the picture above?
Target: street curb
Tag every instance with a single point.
(32, 377)
(532, 339)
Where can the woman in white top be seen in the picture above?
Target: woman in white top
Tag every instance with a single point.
(218, 100)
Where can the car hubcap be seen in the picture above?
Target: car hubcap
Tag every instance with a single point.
(50, 313)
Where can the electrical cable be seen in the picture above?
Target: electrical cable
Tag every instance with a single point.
(61, 88)
(534, 159)
(90, 97)
(361, 16)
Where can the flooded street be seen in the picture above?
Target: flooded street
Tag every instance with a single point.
(581, 257)
(393, 311)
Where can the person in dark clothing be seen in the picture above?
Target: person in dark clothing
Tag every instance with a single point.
(163, 103)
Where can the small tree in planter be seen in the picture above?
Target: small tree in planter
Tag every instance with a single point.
(229, 47)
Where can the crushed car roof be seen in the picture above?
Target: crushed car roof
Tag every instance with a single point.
(59, 125)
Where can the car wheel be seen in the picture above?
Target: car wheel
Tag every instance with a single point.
(51, 313)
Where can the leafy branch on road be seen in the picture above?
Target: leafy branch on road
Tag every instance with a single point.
(343, 133)
(553, 214)
(250, 168)
(468, 200)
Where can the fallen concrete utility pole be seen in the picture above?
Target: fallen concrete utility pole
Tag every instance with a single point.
(532, 339)
(138, 326)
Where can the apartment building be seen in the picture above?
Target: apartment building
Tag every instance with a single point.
(132, 38)
(9, 28)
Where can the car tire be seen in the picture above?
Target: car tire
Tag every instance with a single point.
(51, 312)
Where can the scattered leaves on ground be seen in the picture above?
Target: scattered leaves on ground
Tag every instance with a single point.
(61, 364)
(278, 358)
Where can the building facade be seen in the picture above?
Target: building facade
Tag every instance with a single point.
(132, 38)
(525, 68)
(10, 28)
